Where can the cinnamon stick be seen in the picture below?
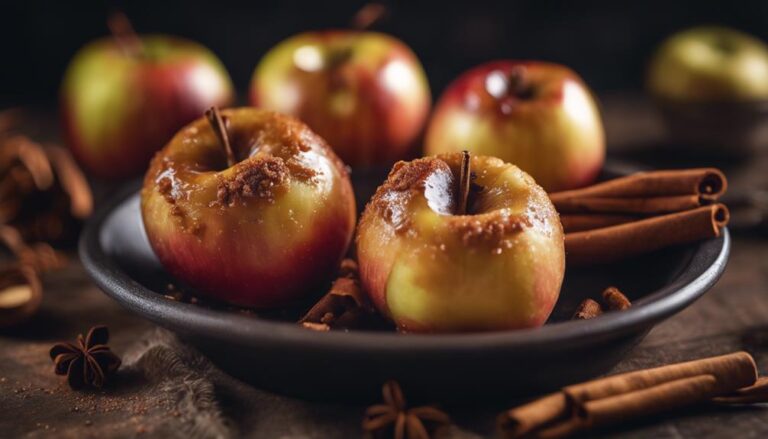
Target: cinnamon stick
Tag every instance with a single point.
(709, 183)
(601, 401)
(576, 222)
(732, 371)
(520, 421)
(650, 205)
(656, 399)
(613, 243)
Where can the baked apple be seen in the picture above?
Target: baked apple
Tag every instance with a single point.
(250, 207)
(450, 243)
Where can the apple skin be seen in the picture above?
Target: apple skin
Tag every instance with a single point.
(262, 233)
(555, 134)
(499, 267)
(364, 92)
(118, 109)
(709, 63)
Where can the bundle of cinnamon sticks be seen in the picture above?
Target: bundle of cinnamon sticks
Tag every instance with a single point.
(727, 379)
(640, 213)
(44, 197)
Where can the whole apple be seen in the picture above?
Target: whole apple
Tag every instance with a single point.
(364, 92)
(430, 267)
(536, 115)
(710, 63)
(259, 227)
(119, 105)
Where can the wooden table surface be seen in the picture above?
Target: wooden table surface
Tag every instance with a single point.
(732, 316)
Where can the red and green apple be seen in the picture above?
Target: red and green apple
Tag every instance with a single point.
(120, 103)
(364, 92)
(536, 115)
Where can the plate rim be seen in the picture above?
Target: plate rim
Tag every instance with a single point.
(247, 330)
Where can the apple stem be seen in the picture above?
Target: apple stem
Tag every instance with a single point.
(220, 129)
(124, 35)
(518, 82)
(464, 182)
(368, 15)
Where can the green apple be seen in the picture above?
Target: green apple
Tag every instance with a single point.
(707, 64)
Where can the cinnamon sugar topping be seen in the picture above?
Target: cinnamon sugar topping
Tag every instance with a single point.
(258, 177)
(492, 227)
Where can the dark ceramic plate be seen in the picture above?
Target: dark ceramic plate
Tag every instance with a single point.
(272, 352)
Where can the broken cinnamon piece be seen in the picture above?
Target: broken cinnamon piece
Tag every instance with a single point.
(656, 399)
(755, 393)
(344, 306)
(647, 206)
(709, 183)
(578, 222)
(588, 309)
(615, 300)
(613, 243)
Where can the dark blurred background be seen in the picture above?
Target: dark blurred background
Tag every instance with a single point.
(607, 42)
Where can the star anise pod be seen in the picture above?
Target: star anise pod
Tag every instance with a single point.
(88, 362)
(396, 418)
